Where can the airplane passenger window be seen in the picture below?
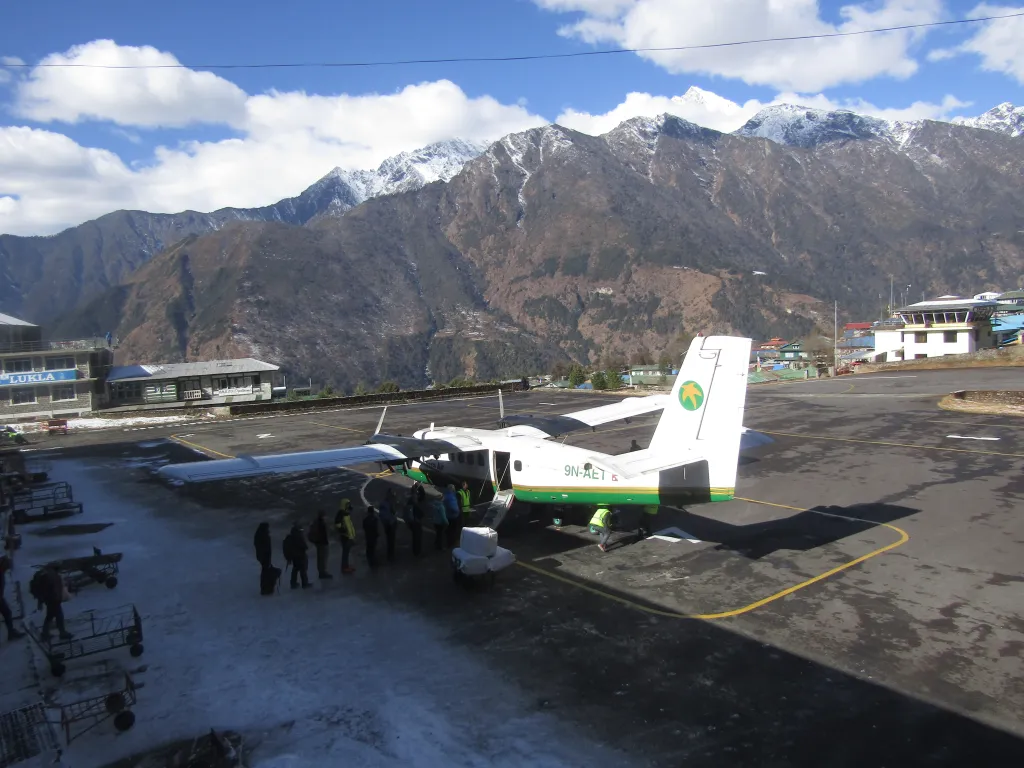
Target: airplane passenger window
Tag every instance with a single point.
(480, 458)
(459, 458)
(518, 466)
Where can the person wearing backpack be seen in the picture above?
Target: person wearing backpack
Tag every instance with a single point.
(347, 533)
(5, 609)
(47, 587)
(296, 553)
(318, 538)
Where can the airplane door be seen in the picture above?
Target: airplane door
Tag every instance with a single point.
(502, 475)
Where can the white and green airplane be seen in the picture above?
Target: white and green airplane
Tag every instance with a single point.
(692, 457)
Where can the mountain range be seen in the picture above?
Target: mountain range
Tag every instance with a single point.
(550, 244)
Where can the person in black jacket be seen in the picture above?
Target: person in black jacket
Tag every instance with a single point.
(5, 609)
(318, 538)
(47, 587)
(296, 554)
(268, 573)
(371, 532)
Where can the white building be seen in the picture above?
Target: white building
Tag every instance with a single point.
(217, 382)
(936, 328)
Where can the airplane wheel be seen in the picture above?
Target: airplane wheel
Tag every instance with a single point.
(111, 582)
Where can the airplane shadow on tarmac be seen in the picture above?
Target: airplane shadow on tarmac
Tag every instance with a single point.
(800, 532)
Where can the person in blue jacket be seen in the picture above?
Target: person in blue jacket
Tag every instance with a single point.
(440, 518)
(453, 514)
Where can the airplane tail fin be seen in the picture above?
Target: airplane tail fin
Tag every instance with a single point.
(704, 413)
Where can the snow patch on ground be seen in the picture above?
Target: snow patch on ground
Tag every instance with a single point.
(310, 678)
(95, 423)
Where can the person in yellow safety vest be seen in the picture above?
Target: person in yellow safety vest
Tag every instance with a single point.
(465, 501)
(646, 526)
(347, 533)
(603, 523)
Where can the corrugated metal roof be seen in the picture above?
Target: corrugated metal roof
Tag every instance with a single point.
(188, 370)
(1008, 323)
(1012, 295)
(8, 320)
(858, 342)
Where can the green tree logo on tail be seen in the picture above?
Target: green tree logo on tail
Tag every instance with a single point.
(691, 396)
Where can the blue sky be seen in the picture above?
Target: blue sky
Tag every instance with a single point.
(77, 143)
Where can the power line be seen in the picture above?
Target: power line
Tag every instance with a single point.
(528, 57)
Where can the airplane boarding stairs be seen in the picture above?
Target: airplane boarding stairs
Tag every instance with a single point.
(498, 509)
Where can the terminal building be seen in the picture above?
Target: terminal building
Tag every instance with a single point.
(217, 382)
(45, 379)
(945, 326)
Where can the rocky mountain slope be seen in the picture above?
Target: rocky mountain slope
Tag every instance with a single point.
(38, 274)
(555, 243)
(1005, 118)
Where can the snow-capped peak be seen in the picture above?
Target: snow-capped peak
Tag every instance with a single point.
(710, 101)
(1006, 118)
(798, 126)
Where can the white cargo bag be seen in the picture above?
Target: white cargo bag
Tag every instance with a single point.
(479, 541)
(501, 559)
(471, 565)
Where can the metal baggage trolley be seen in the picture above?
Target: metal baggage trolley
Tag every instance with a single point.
(79, 572)
(93, 632)
(78, 717)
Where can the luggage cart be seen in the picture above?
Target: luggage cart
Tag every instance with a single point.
(93, 632)
(83, 715)
(48, 501)
(79, 572)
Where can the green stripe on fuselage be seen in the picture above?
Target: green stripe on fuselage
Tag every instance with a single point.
(609, 495)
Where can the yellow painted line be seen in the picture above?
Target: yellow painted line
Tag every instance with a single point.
(201, 448)
(888, 442)
(335, 426)
(904, 537)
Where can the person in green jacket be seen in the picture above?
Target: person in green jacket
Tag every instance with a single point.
(602, 522)
(465, 501)
(347, 533)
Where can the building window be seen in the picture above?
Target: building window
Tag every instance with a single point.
(23, 395)
(18, 366)
(920, 338)
(949, 337)
(126, 390)
(517, 466)
(63, 392)
(60, 363)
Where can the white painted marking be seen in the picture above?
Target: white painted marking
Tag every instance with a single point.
(190, 434)
(263, 436)
(547, 403)
(970, 437)
(889, 377)
(674, 535)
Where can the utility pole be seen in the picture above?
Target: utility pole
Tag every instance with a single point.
(891, 299)
(835, 339)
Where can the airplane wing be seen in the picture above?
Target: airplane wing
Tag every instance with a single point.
(627, 408)
(250, 466)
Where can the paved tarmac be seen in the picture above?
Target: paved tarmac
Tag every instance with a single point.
(859, 603)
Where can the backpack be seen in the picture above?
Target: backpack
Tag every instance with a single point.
(37, 587)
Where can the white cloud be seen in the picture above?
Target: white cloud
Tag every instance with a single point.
(11, 61)
(147, 98)
(713, 111)
(999, 44)
(288, 140)
(808, 65)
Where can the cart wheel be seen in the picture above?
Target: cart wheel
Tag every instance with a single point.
(111, 582)
(57, 668)
(132, 638)
(114, 703)
(136, 650)
(124, 720)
